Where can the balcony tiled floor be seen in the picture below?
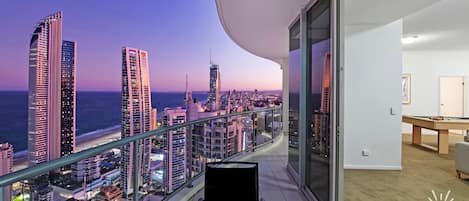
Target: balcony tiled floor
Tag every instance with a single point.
(274, 182)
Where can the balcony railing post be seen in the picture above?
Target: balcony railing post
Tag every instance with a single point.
(272, 128)
(254, 131)
(136, 169)
(227, 138)
(189, 155)
(281, 121)
(212, 131)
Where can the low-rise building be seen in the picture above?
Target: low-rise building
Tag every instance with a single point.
(108, 193)
(87, 169)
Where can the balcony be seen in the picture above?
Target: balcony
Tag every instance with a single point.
(274, 180)
(186, 181)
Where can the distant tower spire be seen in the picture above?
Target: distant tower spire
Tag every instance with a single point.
(188, 97)
(187, 82)
(210, 55)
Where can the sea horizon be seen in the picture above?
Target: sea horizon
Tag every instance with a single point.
(94, 111)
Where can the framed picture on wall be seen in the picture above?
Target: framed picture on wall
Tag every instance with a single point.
(406, 89)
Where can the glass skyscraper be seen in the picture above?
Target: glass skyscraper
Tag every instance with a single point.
(136, 116)
(44, 118)
(68, 106)
(214, 93)
(44, 99)
(175, 147)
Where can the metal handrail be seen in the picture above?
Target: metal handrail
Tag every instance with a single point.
(49, 166)
(229, 158)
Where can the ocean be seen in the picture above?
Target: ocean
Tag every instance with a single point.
(95, 111)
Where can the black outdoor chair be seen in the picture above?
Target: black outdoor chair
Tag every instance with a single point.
(229, 181)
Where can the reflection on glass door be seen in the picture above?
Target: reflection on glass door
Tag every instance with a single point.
(318, 158)
(294, 96)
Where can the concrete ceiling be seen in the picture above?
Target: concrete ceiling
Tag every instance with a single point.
(442, 26)
(261, 26)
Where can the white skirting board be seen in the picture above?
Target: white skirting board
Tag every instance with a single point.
(371, 167)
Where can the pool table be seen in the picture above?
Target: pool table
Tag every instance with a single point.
(440, 124)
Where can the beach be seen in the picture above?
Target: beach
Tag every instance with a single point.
(84, 141)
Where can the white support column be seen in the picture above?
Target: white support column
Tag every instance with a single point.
(285, 94)
(338, 125)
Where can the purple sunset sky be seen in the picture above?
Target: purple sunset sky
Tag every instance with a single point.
(177, 34)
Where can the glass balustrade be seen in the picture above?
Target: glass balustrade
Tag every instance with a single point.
(153, 165)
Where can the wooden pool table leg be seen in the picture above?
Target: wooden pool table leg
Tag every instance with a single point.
(443, 136)
(416, 135)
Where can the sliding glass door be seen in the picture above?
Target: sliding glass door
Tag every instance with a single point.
(318, 151)
(312, 146)
(294, 96)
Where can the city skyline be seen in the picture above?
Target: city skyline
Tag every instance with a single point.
(176, 45)
(53, 63)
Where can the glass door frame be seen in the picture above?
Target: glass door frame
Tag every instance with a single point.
(337, 104)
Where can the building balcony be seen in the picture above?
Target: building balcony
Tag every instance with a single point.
(275, 183)
(180, 180)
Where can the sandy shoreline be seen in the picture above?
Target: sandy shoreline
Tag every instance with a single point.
(83, 141)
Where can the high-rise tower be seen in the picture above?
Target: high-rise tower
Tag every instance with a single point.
(44, 116)
(45, 99)
(136, 115)
(6, 164)
(214, 93)
(68, 102)
(175, 147)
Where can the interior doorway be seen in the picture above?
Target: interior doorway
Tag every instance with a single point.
(452, 96)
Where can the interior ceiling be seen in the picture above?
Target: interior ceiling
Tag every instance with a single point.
(442, 26)
(261, 26)
(379, 12)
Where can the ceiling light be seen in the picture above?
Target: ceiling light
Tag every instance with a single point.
(409, 39)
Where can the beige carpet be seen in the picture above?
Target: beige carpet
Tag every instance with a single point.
(423, 171)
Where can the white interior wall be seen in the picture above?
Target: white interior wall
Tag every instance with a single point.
(426, 68)
(372, 75)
